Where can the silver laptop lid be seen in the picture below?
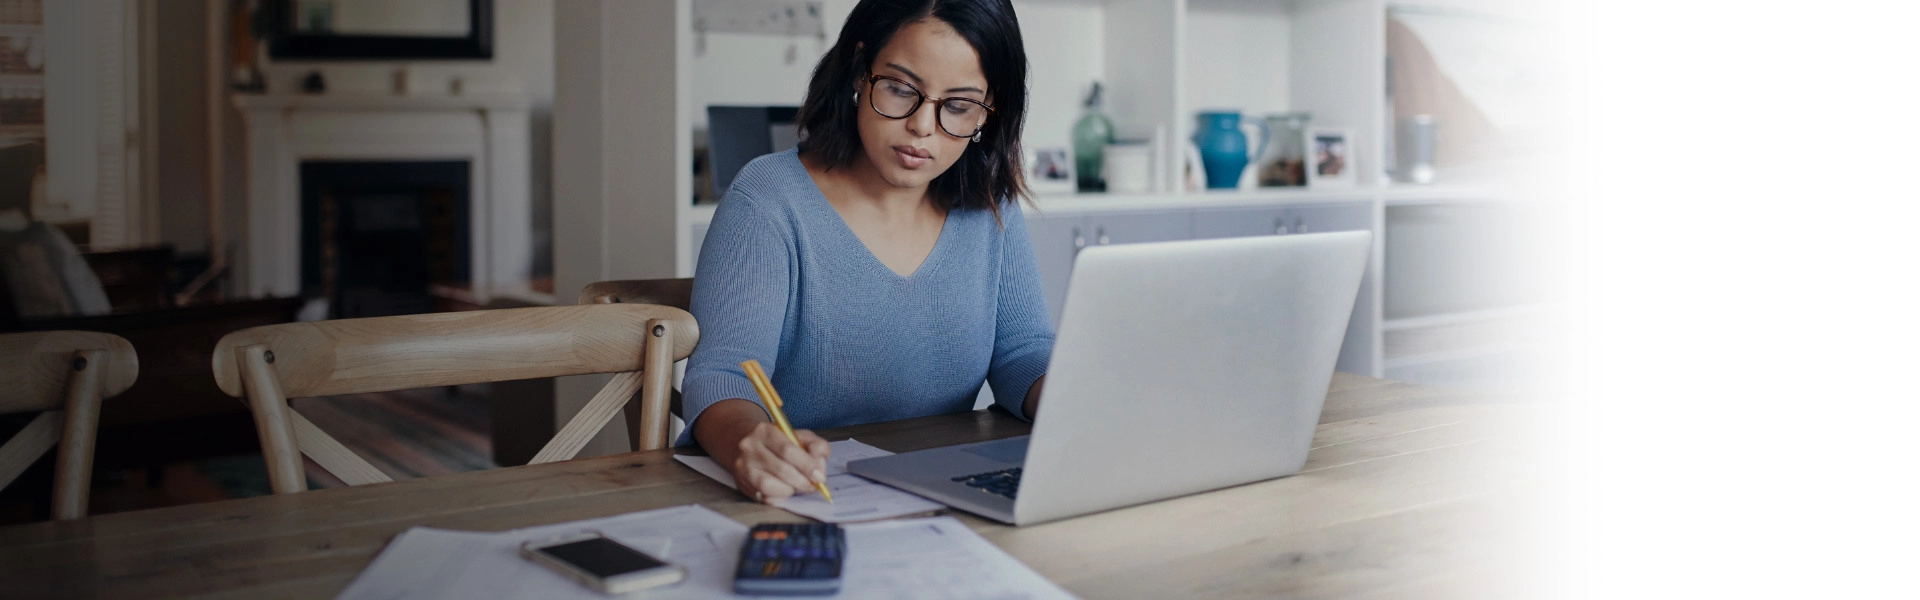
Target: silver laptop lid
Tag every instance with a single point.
(1188, 366)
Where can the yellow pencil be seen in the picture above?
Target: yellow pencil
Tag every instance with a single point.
(764, 387)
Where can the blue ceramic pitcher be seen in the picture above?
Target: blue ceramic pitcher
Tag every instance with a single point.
(1224, 151)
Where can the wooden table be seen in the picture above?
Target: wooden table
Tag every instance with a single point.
(1404, 495)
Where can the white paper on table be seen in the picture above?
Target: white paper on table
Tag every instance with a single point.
(425, 563)
(936, 557)
(854, 498)
(417, 562)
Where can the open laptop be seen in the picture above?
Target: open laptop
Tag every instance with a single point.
(1180, 367)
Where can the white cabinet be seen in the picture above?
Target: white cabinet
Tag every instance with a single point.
(1281, 220)
(1056, 239)
(1458, 308)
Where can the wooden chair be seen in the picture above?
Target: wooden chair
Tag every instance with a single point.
(270, 364)
(677, 293)
(64, 375)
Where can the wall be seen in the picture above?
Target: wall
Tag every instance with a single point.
(72, 82)
(1059, 84)
(1237, 60)
(181, 61)
(750, 69)
(621, 91)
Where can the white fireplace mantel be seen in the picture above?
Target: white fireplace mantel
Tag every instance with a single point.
(490, 131)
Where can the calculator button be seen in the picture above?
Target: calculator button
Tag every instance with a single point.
(818, 569)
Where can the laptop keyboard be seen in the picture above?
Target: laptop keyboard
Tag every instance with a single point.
(1005, 482)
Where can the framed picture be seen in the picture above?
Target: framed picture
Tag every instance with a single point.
(1330, 158)
(1050, 170)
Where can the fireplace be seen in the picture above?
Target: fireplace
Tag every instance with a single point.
(473, 225)
(376, 236)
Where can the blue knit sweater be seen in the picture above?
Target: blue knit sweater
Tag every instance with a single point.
(846, 340)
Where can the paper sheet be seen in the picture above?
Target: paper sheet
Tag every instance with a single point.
(424, 563)
(854, 499)
(935, 557)
(915, 558)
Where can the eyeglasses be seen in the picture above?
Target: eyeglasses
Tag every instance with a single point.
(896, 99)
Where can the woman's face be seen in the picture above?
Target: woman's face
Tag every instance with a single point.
(930, 56)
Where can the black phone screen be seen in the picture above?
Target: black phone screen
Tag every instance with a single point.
(602, 557)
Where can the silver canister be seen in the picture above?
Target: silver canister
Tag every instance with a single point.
(1416, 144)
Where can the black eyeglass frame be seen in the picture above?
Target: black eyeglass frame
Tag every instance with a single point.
(873, 80)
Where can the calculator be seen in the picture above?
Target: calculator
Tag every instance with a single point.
(791, 559)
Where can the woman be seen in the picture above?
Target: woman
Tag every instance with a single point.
(881, 270)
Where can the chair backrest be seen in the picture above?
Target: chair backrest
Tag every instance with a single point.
(677, 293)
(63, 375)
(268, 365)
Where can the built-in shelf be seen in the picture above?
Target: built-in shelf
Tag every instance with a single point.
(1461, 336)
(22, 29)
(1103, 202)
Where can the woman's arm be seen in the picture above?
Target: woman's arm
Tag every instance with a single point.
(740, 293)
(1023, 331)
(1032, 405)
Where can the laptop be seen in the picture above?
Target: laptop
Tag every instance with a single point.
(1180, 367)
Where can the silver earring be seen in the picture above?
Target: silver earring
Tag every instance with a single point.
(976, 136)
(856, 96)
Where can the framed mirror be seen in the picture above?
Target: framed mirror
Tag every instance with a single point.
(382, 29)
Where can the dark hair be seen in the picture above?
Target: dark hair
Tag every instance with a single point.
(989, 172)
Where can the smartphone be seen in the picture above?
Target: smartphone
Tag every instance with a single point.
(602, 564)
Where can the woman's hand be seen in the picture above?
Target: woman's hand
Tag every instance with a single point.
(769, 468)
(765, 464)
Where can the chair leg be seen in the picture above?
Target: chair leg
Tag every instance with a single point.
(285, 471)
(74, 467)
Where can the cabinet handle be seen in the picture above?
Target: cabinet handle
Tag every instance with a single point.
(1279, 226)
(1100, 235)
(1079, 241)
(1300, 225)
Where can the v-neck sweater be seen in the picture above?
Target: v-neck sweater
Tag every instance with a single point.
(845, 339)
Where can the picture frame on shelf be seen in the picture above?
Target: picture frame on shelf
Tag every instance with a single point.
(1330, 158)
(1050, 170)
